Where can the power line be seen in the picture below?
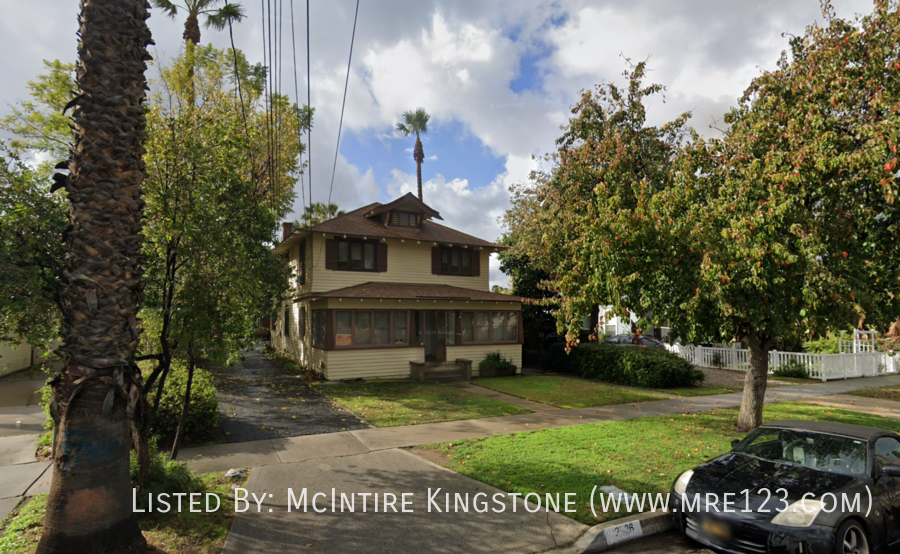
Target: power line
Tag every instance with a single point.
(297, 96)
(344, 103)
(309, 105)
(266, 63)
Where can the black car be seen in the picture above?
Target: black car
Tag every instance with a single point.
(628, 340)
(796, 487)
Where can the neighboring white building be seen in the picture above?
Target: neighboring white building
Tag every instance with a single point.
(613, 324)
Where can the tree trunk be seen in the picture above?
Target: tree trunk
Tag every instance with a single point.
(752, 403)
(185, 408)
(419, 156)
(89, 507)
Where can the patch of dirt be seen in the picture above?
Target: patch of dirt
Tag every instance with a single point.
(732, 379)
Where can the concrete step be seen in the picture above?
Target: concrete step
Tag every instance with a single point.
(447, 372)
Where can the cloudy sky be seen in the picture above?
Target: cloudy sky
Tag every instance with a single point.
(497, 77)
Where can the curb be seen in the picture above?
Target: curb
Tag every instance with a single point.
(596, 539)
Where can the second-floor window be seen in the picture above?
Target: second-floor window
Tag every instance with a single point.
(404, 219)
(356, 256)
(456, 261)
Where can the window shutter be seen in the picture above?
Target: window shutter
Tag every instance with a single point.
(381, 257)
(476, 263)
(436, 260)
(331, 254)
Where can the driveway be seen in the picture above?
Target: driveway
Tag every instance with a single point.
(260, 401)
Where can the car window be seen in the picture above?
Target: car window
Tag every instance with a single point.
(887, 451)
(831, 453)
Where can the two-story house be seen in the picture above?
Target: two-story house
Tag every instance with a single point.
(385, 285)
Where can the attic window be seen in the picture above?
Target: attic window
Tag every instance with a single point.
(404, 219)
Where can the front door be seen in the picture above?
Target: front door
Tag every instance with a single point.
(440, 351)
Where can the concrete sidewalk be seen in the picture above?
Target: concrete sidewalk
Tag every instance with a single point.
(335, 530)
(269, 452)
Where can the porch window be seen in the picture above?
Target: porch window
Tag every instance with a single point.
(491, 327)
(512, 326)
(482, 327)
(382, 327)
(400, 322)
(343, 328)
(362, 334)
(468, 326)
(451, 327)
(318, 323)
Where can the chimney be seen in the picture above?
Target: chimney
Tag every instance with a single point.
(286, 230)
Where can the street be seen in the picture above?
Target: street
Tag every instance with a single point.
(665, 543)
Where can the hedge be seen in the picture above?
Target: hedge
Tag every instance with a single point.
(202, 424)
(495, 364)
(624, 365)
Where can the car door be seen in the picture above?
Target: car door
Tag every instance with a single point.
(887, 452)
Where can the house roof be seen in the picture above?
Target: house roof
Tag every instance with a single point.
(356, 224)
(410, 291)
(408, 198)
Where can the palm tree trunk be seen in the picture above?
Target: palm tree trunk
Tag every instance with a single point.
(419, 156)
(89, 508)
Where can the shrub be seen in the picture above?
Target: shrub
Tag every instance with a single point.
(793, 369)
(634, 367)
(165, 477)
(202, 424)
(825, 345)
(495, 364)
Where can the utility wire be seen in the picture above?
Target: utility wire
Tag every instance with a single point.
(344, 103)
(308, 103)
(297, 96)
(268, 160)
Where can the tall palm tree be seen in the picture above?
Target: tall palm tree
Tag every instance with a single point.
(320, 212)
(416, 122)
(218, 17)
(98, 390)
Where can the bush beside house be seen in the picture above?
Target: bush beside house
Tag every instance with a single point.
(203, 418)
(496, 365)
(634, 367)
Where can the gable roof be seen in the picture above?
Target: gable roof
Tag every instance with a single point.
(408, 198)
(356, 224)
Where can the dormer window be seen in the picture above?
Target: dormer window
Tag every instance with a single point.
(405, 219)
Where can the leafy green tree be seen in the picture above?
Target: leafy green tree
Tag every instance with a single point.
(416, 123)
(781, 230)
(32, 220)
(40, 124)
(527, 280)
(319, 212)
(98, 389)
(218, 16)
(209, 224)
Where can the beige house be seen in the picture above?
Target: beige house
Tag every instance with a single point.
(384, 286)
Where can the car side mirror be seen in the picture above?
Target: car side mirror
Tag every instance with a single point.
(735, 442)
(891, 471)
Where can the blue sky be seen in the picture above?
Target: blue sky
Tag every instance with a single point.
(498, 78)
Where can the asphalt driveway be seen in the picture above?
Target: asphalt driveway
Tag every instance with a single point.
(259, 401)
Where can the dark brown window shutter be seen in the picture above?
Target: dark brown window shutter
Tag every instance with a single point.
(476, 263)
(331, 254)
(329, 329)
(521, 324)
(381, 257)
(436, 260)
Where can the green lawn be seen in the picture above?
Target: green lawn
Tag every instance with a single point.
(565, 392)
(393, 404)
(638, 456)
(698, 391)
(183, 532)
(882, 393)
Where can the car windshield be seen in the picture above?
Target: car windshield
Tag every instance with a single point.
(831, 453)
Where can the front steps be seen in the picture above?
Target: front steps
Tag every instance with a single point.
(443, 372)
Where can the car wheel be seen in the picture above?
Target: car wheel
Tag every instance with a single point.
(851, 539)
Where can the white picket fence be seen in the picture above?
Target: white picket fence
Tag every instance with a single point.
(819, 366)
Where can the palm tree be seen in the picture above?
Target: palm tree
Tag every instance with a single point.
(89, 508)
(217, 17)
(416, 122)
(320, 212)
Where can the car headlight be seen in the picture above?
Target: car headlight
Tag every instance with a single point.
(801, 513)
(681, 483)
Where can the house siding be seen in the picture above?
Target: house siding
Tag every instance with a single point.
(477, 352)
(385, 363)
(408, 262)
